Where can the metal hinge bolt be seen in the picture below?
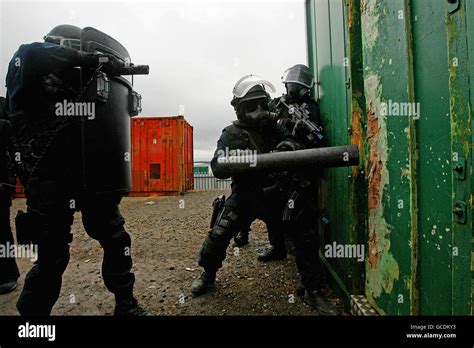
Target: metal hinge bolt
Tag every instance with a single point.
(458, 168)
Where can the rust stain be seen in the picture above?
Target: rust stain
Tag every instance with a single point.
(356, 136)
(374, 181)
(349, 17)
(375, 162)
(372, 256)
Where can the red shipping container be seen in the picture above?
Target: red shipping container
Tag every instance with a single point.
(19, 189)
(162, 156)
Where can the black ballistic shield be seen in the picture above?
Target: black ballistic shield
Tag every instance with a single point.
(106, 138)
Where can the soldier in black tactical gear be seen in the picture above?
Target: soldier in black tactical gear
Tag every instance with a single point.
(41, 76)
(8, 268)
(298, 112)
(298, 81)
(252, 131)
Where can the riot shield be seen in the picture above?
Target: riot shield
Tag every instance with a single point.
(106, 137)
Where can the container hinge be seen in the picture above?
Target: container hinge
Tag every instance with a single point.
(459, 168)
(348, 83)
(454, 6)
(460, 212)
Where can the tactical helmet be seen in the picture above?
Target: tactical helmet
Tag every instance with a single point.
(250, 87)
(65, 35)
(299, 74)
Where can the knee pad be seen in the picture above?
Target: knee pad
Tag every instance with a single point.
(212, 253)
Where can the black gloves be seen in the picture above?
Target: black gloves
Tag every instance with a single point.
(108, 63)
(287, 146)
(111, 65)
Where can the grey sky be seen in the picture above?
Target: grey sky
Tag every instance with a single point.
(196, 50)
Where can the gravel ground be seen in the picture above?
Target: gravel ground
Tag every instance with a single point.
(166, 238)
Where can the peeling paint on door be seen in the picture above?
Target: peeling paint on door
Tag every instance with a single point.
(382, 269)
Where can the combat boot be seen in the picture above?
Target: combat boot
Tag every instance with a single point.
(129, 308)
(241, 239)
(8, 286)
(315, 299)
(203, 284)
(272, 254)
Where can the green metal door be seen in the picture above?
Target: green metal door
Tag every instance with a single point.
(431, 80)
(461, 89)
(420, 230)
(390, 265)
(406, 99)
(328, 58)
(470, 35)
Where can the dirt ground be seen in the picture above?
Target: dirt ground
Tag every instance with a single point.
(167, 233)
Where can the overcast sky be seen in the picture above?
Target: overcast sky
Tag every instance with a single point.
(196, 50)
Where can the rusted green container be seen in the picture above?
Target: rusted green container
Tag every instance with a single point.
(395, 78)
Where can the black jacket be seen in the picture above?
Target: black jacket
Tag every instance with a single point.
(29, 66)
(239, 137)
